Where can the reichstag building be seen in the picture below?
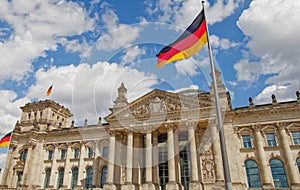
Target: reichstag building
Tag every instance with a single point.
(162, 140)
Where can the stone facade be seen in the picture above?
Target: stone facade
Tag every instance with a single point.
(161, 140)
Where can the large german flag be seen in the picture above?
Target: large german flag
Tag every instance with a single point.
(188, 44)
(5, 140)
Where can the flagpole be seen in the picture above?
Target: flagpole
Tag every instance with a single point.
(226, 170)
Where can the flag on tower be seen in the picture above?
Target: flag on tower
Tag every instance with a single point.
(49, 90)
(5, 140)
(188, 44)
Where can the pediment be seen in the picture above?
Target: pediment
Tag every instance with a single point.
(158, 102)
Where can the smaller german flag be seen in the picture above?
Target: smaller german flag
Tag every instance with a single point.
(5, 140)
(49, 90)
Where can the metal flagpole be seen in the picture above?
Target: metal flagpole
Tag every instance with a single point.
(219, 115)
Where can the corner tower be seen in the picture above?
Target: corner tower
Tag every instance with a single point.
(43, 115)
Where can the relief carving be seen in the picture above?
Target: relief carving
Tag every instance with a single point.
(208, 166)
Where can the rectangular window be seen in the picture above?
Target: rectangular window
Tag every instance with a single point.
(63, 154)
(246, 141)
(296, 137)
(90, 153)
(23, 155)
(19, 179)
(76, 153)
(271, 141)
(50, 154)
(105, 152)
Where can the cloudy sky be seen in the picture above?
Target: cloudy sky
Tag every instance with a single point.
(87, 48)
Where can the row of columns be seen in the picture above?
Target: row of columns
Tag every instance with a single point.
(265, 170)
(151, 159)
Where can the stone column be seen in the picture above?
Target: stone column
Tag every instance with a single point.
(291, 166)
(81, 165)
(265, 171)
(216, 147)
(129, 158)
(53, 176)
(148, 158)
(111, 161)
(8, 165)
(195, 184)
(26, 171)
(171, 159)
(155, 169)
(68, 173)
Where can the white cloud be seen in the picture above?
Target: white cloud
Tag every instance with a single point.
(272, 27)
(181, 12)
(222, 43)
(89, 90)
(132, 54)
(278, 91)
(190, 66)
(117, 35)
(37, 26)
(10, 110)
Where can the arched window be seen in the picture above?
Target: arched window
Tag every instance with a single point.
(23, 155)
(103, 176)
(89, 177)
(252, 174)
(278, 174)
(60, 180)
(298, 164)
(74, 177)
(47, 177)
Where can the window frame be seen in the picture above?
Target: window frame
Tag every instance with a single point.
(60, 178)
(74, 177)
(271, 142)
(251, 175)
(246, 143)
(296, 140)
(89, 178)
(47, 177)
(277, 176)
(63, 154)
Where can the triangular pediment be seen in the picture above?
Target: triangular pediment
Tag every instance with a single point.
(158, 102)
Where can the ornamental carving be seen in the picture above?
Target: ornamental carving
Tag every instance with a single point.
(207, 162)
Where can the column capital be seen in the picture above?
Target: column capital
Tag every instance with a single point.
(112, 133)
(281, 125)
(256, 127)
(128, 132)
(192, 124)
(170, 126)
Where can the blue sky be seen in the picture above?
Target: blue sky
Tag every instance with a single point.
(87, 48)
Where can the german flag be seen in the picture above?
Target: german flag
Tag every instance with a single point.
(49, 90)
(188, 44)
(5, 140)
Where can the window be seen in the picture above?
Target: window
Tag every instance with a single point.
(23, 155)
(296, 137)
(184, 167)
(103, 176)
(163, 161)
(90, 153)
(62, 154)
(89, 177)
(298, 164)
(252, 174)
(105, 152)
(19, 179)
(271, 141)
(278, 174)
(246, 141)
(50, 154)
(74, 177)
(47, 178)
(60, 180)
(76, 153)
(184, 158)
